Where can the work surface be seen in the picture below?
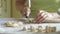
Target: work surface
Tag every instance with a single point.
(15, 30)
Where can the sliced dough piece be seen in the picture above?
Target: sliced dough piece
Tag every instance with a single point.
(11, 24)
(24, 28)
(20, 23)
(15, 25)
(47, 29)
(32, 29)
(39, 28)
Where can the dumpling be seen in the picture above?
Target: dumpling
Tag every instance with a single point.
(52, 29)
(32, 29)
(11, 24)
(20, 23)
(39, 28)
(24, 28)
(47, 29)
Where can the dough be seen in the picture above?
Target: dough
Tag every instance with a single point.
(15, 25)
(32, 29)
(27, 21)
(50, 29)
(11, 24)
(24, 28)
(47, 29)
(20, 23)
(39, 28)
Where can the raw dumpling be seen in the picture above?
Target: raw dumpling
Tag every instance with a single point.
(20, 23)
(47, 29)
(11, 24)
(39, 28)
(15, 25)
(50, 29)
(32, 29)
(24, 28)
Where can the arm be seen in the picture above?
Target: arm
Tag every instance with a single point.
(43, 16)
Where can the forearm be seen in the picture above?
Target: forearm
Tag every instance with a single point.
(52, 20)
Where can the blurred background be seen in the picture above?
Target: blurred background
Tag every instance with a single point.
(8, 7)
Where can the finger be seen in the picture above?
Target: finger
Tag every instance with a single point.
(38, 16)
(42, 14)
(42, 19)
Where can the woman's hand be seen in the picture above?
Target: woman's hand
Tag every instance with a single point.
(26, 11)
(40, 17)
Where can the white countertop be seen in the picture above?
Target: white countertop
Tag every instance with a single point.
(15, 30)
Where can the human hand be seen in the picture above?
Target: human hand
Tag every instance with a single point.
(40, 17)
(26, 12)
